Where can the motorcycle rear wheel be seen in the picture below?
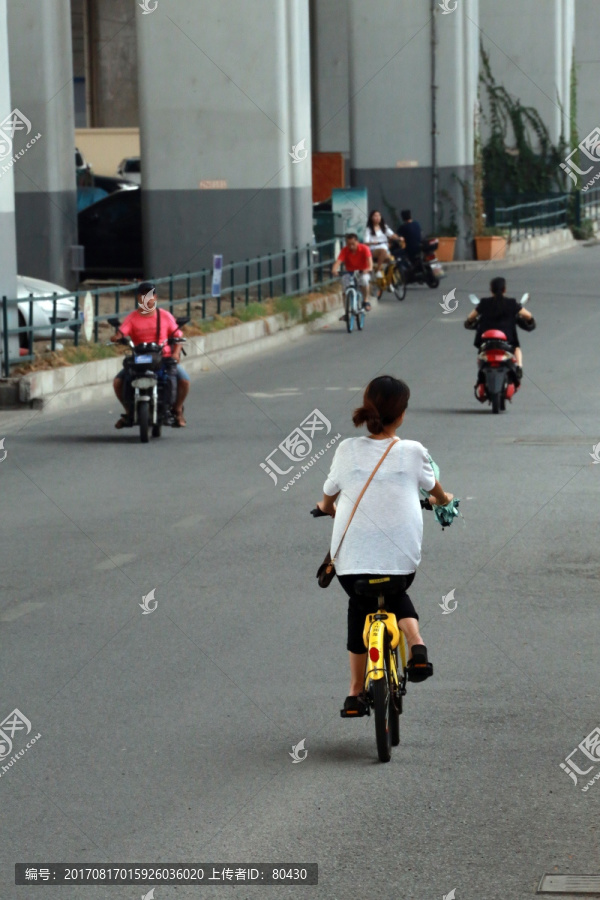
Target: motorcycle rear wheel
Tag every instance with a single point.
(432, 281)
(143, 416)
(156, 431)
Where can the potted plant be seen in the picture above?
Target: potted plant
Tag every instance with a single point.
(491, 243)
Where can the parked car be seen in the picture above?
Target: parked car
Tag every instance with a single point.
(43, 310)
(111, 232)
(131, 168)
(110, 185)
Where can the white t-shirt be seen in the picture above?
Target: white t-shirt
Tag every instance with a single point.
(386, 532)
(379, 239)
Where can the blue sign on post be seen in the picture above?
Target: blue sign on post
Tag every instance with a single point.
(217, 274)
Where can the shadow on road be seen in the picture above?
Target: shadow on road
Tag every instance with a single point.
(116, 438)
(451, 412)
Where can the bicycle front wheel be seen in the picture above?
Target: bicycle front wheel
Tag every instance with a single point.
(394, 712)
(350, 307)
(382, 703)
(399, 283)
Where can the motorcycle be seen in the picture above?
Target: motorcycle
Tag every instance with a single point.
(497, 380)
(150, 382)
(425, 268)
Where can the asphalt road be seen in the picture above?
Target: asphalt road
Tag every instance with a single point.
(166, 737)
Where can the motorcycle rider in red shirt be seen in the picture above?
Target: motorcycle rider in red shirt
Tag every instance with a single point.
(140, 325)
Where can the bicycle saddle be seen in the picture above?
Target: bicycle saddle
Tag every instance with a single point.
(388, 585)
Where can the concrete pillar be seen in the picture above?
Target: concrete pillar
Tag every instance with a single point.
(391, 101)
(41, 80)
(530, 49)
(330, 81)
(221, 105)
(8, 240)
(587, 28)
(113, 63)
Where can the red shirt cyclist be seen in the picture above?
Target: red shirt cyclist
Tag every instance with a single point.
(357, 259)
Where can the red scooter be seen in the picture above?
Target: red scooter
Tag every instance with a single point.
(497, 380)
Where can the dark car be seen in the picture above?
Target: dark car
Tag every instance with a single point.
(111, 232)
(110, 185)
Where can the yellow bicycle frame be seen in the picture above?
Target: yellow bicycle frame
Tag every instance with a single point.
(387, 275)
(376, 625)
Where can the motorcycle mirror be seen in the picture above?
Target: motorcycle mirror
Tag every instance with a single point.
(524, 299)
(113, 322)
(474, 299)
(182, 320)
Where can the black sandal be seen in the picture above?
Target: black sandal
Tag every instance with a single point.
(418, 668)
(354, 708)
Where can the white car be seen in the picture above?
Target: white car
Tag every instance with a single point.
(131, 168)
(43, 309)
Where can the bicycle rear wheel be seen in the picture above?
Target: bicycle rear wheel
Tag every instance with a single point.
(382, 703)
(360, 319)
(350, 307)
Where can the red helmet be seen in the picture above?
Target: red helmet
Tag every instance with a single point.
(494, 333)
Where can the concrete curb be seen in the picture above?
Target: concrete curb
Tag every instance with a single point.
(72, 386)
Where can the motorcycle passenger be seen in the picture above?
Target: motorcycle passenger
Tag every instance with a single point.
(500, 312)
(377, 238)
(141, 326)
(385, 536)
(410, 230)
(358, 260)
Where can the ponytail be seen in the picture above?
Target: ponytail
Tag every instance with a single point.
(368, 415)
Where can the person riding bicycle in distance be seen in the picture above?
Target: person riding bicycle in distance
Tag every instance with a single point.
(141, 326)
(357, 260)
(385, 535)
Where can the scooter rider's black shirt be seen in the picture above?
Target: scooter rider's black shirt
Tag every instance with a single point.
(503, 320)
(411, 232)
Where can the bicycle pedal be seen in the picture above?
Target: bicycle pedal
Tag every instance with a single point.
(355, 713)
(420, 671)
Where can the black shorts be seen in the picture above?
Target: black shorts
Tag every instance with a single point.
(359, 607)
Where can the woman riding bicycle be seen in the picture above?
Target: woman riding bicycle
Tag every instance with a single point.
(385, 535)
(377, 238)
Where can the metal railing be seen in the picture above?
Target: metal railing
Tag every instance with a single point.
(590, 203)
(288, 273)
(525, 220)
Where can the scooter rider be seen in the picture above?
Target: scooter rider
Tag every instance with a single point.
(500, 312)
(141, 326)
(410, 230)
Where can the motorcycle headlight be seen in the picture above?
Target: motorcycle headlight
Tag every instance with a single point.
(143, 382)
